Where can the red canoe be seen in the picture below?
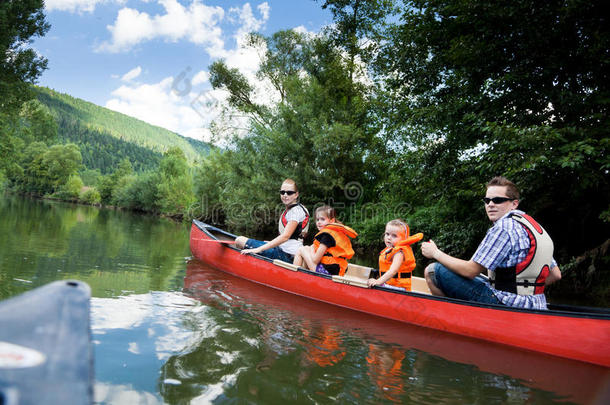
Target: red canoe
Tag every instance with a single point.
(572, 332)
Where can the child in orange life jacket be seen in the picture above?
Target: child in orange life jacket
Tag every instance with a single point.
(331, 247)
(396, 261)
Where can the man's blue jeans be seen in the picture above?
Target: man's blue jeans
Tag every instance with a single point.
(456, 286)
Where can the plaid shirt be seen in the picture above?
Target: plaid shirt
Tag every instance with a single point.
(505, 245)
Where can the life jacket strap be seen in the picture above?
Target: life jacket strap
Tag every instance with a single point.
(525, 283)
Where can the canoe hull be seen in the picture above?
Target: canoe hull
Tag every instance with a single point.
(582, 336)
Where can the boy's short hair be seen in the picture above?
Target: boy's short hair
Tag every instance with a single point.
(511, 188)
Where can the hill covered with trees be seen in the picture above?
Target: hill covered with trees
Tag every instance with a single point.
(106, 137)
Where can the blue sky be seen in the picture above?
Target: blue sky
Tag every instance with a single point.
(150, 58)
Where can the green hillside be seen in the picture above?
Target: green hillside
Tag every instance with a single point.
(102, 151)
(105, 136)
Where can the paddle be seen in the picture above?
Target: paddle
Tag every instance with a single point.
(228, 242)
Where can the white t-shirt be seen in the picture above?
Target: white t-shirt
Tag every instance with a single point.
(298, 214)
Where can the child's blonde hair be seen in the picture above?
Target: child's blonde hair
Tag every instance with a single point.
(399, 223)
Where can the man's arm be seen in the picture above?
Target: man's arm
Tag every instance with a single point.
(465, 268)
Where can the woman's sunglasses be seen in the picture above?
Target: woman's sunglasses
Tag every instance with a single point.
(289, 192)
(496, 200)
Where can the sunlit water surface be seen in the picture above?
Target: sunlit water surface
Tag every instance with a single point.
(168, 329)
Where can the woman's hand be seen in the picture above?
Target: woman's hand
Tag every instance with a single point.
(250, 251)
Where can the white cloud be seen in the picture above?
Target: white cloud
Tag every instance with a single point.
(74, 6)
(247, 59)
(132, 74)
(198, 24)
(185, 109)
(264, 9)
(302, 30)
(185, 103)
(109, 393)
(133, 348)
(201, 77)
(248, 22)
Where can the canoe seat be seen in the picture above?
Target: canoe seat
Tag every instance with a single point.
(355, 270)
(418, 284)
(286, 265)
(355, 275)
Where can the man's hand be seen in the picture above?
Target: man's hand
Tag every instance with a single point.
(429, 249)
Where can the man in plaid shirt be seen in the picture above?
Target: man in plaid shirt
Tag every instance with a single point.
(506, 244)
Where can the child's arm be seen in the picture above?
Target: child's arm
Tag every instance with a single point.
(397, 260)
(313, 260)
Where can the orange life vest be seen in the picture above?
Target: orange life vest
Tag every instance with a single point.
(402, 278)
(342, 251)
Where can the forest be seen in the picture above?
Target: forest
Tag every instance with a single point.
(117, 135)
(400, 109)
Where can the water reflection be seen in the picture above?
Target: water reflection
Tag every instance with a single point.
(385, 369)
(112, 251)
(268, 345)
(134, 335)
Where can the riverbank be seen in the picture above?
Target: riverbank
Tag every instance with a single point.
(585, 279)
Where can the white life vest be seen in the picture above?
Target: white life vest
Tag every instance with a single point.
(528, 276)
(301, 231)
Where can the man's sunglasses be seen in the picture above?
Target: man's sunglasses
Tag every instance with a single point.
(496, 200)
(289, 192)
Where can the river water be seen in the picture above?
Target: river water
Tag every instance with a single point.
(168, 329)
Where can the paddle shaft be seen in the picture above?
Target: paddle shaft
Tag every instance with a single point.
(228, 242)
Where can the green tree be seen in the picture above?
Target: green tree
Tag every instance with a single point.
(517, 88)
(61, 162)
(318, 132)
(90, 196)
(32, 173)
(175, 187)
(122, 194)
(144, 190)
(33, 124)
(358, 28)
(71, 190)
(108, 183)
(47, 170)
(91, 177)
(20, 22)
(36, 123)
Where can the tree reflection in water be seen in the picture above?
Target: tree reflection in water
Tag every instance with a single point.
(263, 346)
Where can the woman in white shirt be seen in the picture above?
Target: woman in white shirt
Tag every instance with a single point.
(292, 226)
